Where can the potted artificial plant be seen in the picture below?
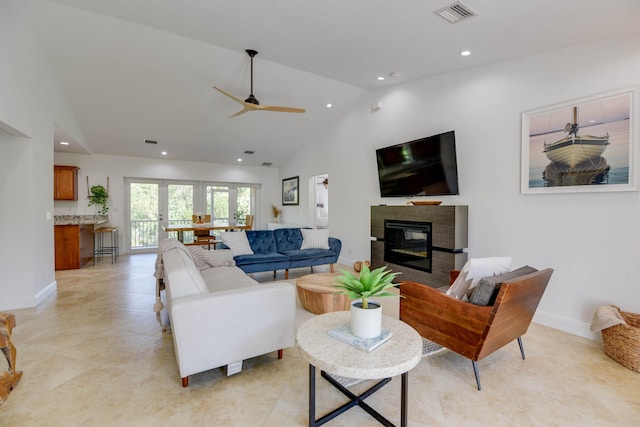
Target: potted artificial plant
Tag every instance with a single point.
(366, 315)
(99, 196)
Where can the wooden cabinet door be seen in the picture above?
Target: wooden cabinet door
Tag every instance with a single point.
(67, 246)
(65, 183)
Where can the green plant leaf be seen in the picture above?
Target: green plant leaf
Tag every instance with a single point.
(368, 284)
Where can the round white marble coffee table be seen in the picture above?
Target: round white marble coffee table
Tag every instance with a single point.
(395, 357)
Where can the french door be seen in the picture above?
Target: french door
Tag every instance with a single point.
(153, 204)
(230, 204)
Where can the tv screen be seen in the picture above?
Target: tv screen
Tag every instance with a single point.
(423, 167)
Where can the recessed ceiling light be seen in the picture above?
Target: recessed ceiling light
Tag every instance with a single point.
(239, 160)
(394, 75)
(465, 53)
(380, 78)
(164, 153)
(329, 105)
(64, 143)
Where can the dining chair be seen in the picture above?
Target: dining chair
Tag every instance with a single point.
(203, 237)
(248, 222)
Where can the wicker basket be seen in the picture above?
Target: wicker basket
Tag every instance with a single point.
(622, 342)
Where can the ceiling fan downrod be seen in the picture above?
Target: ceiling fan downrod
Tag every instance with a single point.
(252, 99)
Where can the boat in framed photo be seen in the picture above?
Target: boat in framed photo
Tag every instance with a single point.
(575, 149)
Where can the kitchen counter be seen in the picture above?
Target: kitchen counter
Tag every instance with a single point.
(73, 235)
(79, 219)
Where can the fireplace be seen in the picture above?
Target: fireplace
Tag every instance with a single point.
(408, 243)
(423, 243)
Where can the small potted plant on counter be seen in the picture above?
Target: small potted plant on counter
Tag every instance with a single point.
(366, 315)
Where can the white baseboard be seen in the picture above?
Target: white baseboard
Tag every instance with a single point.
(28, 301)
(49, 290)
(347, 261)
(567, 325)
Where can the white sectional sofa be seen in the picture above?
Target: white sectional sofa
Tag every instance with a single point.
(220, 316)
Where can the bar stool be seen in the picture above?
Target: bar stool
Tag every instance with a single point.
(101, 249)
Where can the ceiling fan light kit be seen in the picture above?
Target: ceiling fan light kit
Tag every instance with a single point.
(252, 103)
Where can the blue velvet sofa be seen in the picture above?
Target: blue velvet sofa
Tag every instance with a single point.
(280, 250)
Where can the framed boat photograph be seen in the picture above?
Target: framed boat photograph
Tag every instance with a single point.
(585, 145)
(290, 191)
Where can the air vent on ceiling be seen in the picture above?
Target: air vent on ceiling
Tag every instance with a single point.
(456, 12)
(249, 152)
(150, 141)
(267, 164)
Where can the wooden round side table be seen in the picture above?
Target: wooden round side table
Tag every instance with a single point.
(317, 294)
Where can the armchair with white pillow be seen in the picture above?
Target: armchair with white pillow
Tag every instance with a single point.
(487, 306)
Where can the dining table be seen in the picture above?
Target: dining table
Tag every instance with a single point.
(181, 228)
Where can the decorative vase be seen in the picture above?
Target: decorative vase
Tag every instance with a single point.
(357, 266)
(366, 323)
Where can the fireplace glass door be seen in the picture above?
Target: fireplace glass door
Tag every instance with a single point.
(408, 243)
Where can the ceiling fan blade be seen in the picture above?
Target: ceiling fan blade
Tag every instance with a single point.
(229, 95)
(246, 106)
(281, 109)
(244, 110)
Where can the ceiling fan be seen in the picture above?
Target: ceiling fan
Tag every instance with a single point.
(251, 103)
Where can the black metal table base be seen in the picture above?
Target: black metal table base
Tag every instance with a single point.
(355, 400)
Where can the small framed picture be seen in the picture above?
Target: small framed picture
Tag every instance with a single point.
(290, 191)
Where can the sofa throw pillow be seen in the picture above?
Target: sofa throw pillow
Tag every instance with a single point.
(483, 267)
(204, 259)
(460, 286)
(186, 279)
(315, 238)
(237, 241)
(488, 287)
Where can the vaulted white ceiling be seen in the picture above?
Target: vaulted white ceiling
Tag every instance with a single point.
(144, 69)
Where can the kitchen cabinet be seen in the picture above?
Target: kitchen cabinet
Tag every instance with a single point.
(73, 245)
(65, 182)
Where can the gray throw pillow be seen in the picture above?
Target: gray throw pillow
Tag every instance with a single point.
(204, 259)
(486, 291)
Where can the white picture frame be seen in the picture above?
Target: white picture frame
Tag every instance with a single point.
(583, 145)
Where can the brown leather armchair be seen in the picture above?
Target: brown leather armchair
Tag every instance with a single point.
(470, 330)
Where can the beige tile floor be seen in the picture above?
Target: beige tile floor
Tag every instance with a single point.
(93, 355)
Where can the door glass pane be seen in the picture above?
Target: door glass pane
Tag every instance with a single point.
(144, 215)
(218, 204)
(243, 204)
(180, 204)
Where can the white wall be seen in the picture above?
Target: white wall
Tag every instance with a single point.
(30, 102)
(591, 240)
(117, 168)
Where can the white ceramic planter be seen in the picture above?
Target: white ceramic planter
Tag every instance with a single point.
(366, 323)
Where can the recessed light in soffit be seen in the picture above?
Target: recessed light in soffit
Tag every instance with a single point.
(455, 12)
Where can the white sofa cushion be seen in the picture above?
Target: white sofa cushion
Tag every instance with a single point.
(182, 274)
(237, 242)
(224, 278)
(315, 238)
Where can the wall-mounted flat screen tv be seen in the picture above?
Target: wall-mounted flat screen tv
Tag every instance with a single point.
(423, 167)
